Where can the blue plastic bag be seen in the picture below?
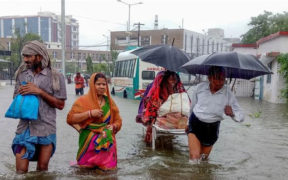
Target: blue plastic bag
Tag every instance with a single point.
(24, 107)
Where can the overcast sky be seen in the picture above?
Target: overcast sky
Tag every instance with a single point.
(98, 17)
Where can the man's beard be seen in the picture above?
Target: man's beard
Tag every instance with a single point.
(36, 65)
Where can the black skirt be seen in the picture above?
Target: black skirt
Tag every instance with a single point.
(207, 133)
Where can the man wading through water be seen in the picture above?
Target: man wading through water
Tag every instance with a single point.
(36, 140)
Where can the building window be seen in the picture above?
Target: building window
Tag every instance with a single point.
(197, 46)
(208, 50)
(121, 38)
(185, 42)
(191, 44)
(83, 56)
(203, 45)
(145, 40)
(164, 39)
(54, 54)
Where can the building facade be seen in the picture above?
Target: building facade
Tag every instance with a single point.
(268, 87)
(78, 58)
(193, 43)
(48, 26)
(268, 49)
(45, 24)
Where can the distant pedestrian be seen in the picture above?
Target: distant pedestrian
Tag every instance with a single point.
(86, 77)
(79, 84)
(36, 140)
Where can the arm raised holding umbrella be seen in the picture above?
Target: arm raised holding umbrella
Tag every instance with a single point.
(210, 101)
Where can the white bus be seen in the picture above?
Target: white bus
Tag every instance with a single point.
(132, 75)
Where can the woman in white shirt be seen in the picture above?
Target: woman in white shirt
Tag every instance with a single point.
(210, 101)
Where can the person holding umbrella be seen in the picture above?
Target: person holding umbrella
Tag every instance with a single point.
(210, 101)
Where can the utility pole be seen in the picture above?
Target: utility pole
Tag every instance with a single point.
(139, 25)
(63, 34)
(129, 9)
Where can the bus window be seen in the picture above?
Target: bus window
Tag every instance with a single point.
(131, 68)
(148, 75)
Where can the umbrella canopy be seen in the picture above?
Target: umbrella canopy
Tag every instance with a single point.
(236, 65)
(165, 56)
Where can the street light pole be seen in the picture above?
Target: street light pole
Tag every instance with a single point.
(108, 64)
(129, 8)
(63, 34)
(128, 25)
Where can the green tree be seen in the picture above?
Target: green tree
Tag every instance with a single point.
(283, 61)
(70, 67)
(114, 55)
(17, 45)
(264, 25)
(89, 65)
(259, 28)
(100, 67)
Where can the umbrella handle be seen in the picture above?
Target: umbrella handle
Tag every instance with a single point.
(173, 41)
(227, 86)
(232, 88)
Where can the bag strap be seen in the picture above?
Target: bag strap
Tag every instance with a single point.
(181, 102)
(20, 106)
(171, 103)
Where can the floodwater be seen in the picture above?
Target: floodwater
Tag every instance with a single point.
(254, 149)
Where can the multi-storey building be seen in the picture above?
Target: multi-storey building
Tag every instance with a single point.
(78, 57)
(193, 43)
(46, 24)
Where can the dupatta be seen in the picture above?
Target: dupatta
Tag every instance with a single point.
(97, 144)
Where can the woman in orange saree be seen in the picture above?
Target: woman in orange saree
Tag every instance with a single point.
(96, 117)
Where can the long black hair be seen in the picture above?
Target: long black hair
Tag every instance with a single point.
(215, 71)
(100, 75)
(167, 74)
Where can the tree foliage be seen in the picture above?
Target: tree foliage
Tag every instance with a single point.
(114, 55)
(264, 25)
(283, 61)
(101, 67)
(17, 45)
(70, 67)
(89, 65)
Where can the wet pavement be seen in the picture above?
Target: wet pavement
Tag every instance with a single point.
(254, 149)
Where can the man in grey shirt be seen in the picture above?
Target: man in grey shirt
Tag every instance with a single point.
(36, 140)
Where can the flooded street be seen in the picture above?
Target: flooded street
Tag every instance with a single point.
(254, 149)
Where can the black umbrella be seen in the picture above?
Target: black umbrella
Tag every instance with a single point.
(236, 65)
(166, 56)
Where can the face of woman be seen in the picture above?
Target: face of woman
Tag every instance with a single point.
(172, 80)
(100, 86)
(217, 81)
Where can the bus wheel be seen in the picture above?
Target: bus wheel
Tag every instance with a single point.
(113, 91)
(124, 94)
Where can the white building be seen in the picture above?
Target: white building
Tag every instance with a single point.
(268, 49)
(268, 87)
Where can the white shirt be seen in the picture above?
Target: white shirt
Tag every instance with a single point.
(209, 107)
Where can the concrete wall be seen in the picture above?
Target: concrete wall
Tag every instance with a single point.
(278, 44)
(244, 50)
(272, 91)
